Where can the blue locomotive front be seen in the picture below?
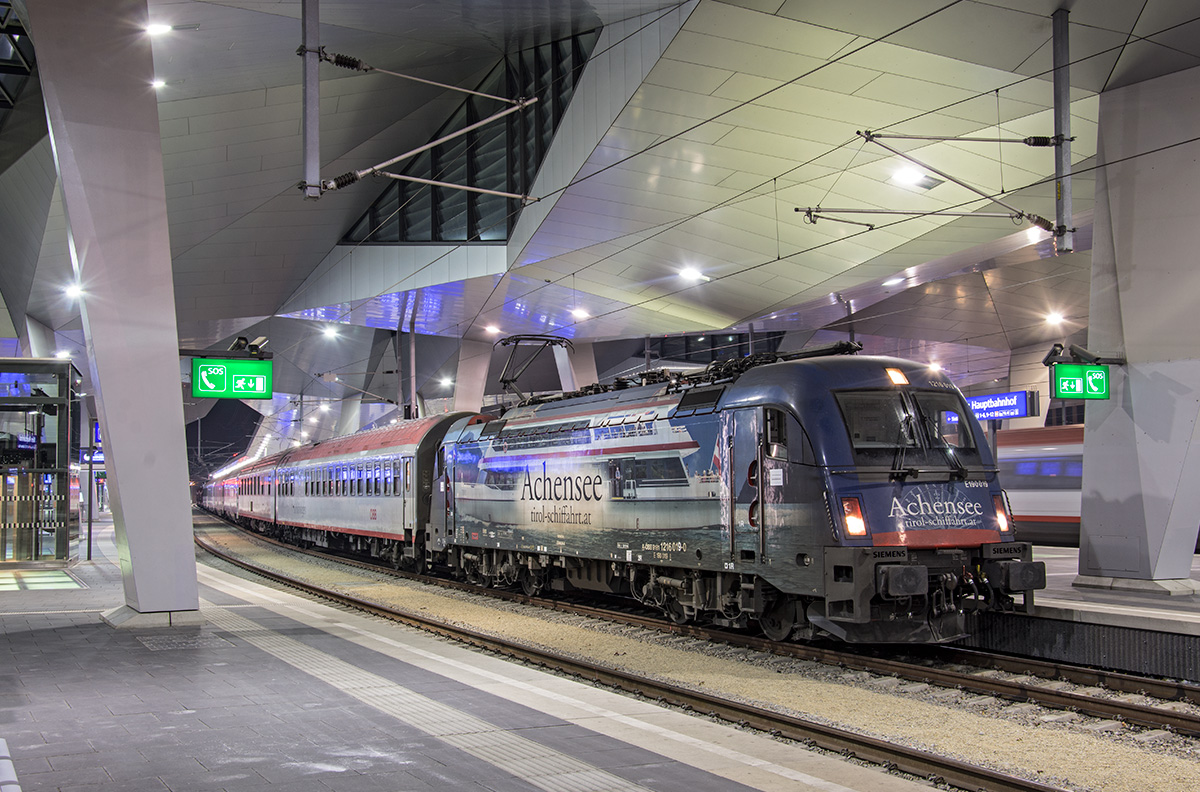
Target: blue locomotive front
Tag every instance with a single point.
(834, 495)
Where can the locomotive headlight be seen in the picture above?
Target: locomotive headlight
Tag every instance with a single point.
(1001, 514)
(896, 376)
(852, 516)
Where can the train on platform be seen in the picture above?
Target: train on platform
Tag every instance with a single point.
(1042, 471)
(812, 495)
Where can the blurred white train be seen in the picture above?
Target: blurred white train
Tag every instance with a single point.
(1042, 472)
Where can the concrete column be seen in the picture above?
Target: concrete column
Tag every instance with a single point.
(474, 360)
(350, 417)
(566, 374)
(96, 68)
(39, 339)
(583, 364)
(1142, 447)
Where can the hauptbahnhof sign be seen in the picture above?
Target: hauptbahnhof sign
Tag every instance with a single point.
(997, 406)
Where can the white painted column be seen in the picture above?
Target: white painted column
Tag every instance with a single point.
(474, 360)
(1141, 505)
(350, 416)
(96, 67)
(582, 361)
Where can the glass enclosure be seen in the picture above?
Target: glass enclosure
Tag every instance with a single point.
(39, 441)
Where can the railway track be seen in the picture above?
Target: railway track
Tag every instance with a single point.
(893, 756)
(982, 673)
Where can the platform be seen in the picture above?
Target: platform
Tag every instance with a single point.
(1142, 610)
(277, 692)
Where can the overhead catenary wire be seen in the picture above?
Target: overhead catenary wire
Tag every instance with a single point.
(742, 195)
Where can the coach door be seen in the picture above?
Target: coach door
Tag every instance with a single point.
(744, 440)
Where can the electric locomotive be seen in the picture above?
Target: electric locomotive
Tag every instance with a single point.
(813, 495)
(820, 495)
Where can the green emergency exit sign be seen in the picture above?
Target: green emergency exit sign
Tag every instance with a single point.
(214, 378)
(1077, 381)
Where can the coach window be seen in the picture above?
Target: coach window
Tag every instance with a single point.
(408, 475)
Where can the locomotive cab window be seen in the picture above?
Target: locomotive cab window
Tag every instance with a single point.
(927, 430)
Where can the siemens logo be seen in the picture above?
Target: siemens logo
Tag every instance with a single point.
(878, 554)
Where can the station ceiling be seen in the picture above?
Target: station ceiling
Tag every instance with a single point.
(752, 111)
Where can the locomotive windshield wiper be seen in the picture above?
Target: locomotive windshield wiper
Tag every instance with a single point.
(899, 472)
(934, 437)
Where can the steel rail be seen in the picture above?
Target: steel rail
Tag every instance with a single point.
(1148, 716)
(891, 756)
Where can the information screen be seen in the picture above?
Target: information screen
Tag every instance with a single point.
(1077, 381)
(219, 378)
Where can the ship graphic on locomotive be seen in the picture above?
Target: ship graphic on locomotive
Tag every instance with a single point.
(812, 495)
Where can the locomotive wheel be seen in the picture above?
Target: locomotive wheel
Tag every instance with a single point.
(779, 620)
(531, 583)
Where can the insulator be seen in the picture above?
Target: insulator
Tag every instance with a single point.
(345, 180)
(1041, 223)
(1041, 141)
(346, 62)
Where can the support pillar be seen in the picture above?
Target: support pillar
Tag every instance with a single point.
(96, 69)
(474, 360)
(350, 417)
(1142, 446)
(581, 363)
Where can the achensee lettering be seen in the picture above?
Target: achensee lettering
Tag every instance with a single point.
(561, 488)
(920, 507)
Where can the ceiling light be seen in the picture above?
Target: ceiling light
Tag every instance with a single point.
(446, 382)
(1054, 318)
(62, 353)
(74, 291)
(492, 329)
(693, 274)
(579, 313)
(331, 332)
(911, 177)
(324, 408)
(312, 419)
(935, 366)
(304, 434)
(158, 84)
(158, 30)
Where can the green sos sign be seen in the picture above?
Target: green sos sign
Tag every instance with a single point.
(1078, 381)
(219, 378)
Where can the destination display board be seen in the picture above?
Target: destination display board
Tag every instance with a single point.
(1078, 381)
(220, 378)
